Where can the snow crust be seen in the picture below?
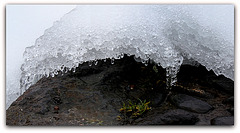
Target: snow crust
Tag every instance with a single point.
(166, 34)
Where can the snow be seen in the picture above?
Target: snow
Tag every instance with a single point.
(167, 34)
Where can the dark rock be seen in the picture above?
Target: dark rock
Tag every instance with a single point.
(136, 93)
(224, 84)
(43, 110)
(223, 121)
(197, 74)
(56, 108)
(81, 98)
(193, 90)
(190, 103)
(172, 117)
(179, 117)
(231, 110)
(67, 105)
(230, 100)
(156, 99)
(93, 96)
(86, 70)
(57, 100)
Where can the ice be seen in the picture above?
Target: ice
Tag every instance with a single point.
(169, 35)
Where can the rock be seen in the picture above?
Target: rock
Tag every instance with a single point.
(231, 110)
(190, 103)
(93, 96)
(230, 100)
(65, 100)
(171, 117)
(198, 74)
(224, 84)
(90, 96)
(156, 99)
(179, 117)
(223, 121)
(56, 108)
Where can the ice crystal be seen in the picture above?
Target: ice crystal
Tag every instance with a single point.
(169, 35)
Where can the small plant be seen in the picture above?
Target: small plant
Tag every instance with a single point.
(155, 69)
(135, 109)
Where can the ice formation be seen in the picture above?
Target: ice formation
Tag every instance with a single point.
(166, 34)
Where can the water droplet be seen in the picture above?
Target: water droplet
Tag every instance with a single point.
(55, 73)
(90, 63)
(147, 56)
(52, 74)
(112, 61)
(122, 55)
(66, 70)
(80, 62)
(95, 62)
(118, 57)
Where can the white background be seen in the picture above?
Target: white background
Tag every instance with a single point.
(48, 23)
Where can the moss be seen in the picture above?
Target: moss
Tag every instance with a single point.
(135, 109)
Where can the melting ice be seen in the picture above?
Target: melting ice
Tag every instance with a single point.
(170, 35)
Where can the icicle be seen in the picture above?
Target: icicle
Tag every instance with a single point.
(118, 56)
(66, 70)
(74, 69)
(171, 76)
(146, 63)
(147, 56)
(52, 74)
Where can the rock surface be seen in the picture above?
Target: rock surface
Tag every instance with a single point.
(229, 100)
(171, 117)
(190, 103)
(93, 96)
(224, 84)
(223, 121)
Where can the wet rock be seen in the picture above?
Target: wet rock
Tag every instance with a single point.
(171, 117)
(190, 103)
(223, 121)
